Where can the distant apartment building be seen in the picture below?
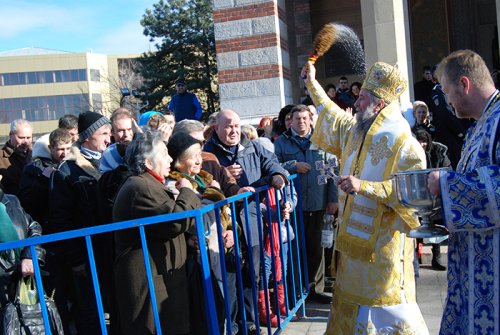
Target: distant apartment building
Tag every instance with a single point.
(41, 85)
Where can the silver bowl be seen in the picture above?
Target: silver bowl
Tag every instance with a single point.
(412, 192)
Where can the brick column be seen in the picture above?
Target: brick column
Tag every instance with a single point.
(300, 32)
(252, 57)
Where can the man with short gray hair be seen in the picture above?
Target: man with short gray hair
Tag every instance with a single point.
(16, 153)
(188, 126)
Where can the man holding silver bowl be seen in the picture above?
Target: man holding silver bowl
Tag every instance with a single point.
(471, 198)
(375, 287)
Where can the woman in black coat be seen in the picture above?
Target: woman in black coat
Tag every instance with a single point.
(436, 153)
(144, 194)
(437, 157)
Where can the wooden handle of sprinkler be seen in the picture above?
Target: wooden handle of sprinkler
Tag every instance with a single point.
(312, 59)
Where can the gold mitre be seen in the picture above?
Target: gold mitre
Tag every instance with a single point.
(385, 81)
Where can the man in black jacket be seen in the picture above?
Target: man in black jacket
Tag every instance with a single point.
(423, 88)
(48, 152)
(74, 204)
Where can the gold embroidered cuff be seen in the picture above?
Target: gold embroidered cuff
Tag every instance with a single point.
(375, 190)
(318, 94)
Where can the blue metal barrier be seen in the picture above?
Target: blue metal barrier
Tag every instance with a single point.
(296, 260)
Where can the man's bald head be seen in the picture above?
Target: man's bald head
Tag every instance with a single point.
(227, 127)
(225, 114)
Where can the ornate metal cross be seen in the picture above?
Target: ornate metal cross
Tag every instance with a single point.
(327, 170)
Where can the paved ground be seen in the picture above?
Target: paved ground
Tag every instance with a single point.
(431, 295)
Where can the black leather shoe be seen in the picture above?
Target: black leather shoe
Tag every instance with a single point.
(320, 298)
(438, 267)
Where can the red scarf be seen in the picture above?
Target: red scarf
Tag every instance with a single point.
(275, 226)
(156, 175)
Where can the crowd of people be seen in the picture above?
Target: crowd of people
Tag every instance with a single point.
(92, 170)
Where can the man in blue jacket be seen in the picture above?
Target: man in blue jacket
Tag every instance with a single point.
(185, 105)
(251, 165)
(298, 155)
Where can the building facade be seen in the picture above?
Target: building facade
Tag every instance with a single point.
(262, 44)
(41, 85)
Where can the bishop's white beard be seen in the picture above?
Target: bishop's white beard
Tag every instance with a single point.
(364, 120)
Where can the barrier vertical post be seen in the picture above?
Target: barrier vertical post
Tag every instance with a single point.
(291, 245)
(261, 240)
(207, 280)
(273, 255)
(223, 271)
(282, 253)
(300, 232)
(239, 280)
(250, 258)
(95, 281)
(39, 287)
(147, 265)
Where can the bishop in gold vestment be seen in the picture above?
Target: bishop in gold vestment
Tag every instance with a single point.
(375, 285)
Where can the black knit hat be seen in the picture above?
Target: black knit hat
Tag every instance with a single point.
(179, 143)
(89, 122)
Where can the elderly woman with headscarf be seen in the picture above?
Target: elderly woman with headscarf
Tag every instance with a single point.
(186, 152)
(144, 194)
(187, 163)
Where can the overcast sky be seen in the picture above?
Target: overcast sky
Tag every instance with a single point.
(100, 26)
